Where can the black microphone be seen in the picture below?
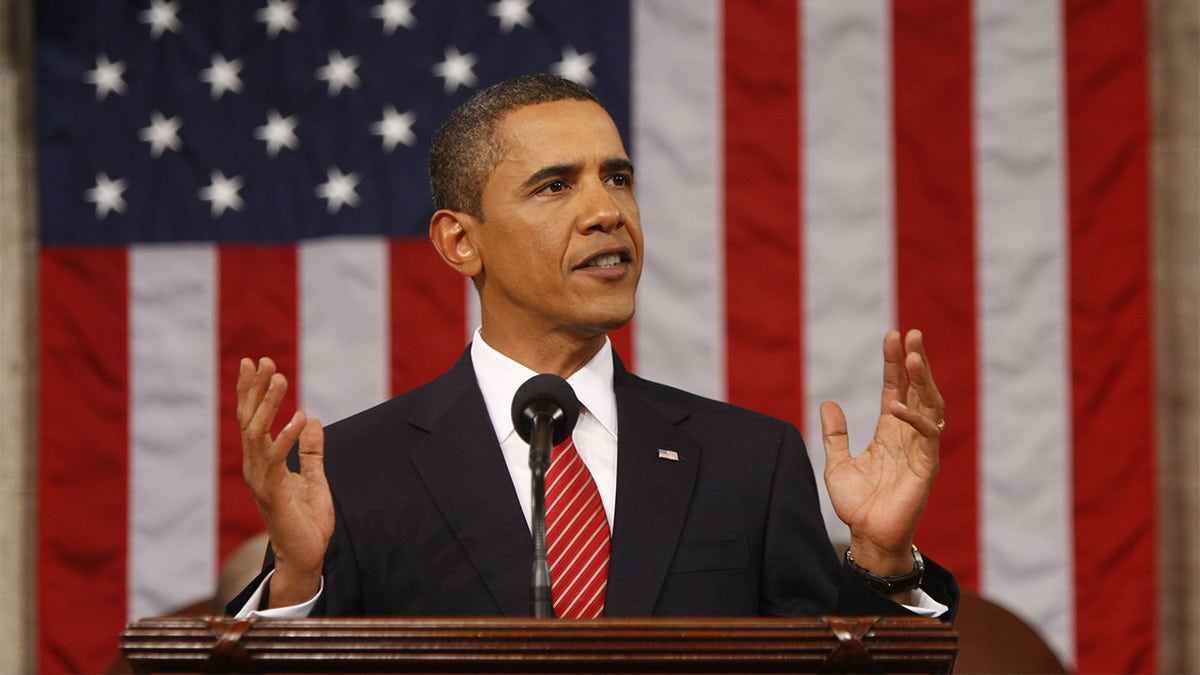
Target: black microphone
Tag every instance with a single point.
(544, 413)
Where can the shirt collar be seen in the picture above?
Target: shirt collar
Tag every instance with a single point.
(499, 378)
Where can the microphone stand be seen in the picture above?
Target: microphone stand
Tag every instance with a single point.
(539, 462)
(544, 411)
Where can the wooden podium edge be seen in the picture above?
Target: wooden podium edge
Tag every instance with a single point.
(491, 645)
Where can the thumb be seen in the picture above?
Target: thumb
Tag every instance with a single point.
(833, 431)
(312, 450)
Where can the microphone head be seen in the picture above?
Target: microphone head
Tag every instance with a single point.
(550, 395)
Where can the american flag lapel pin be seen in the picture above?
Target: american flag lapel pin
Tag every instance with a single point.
(669, 455)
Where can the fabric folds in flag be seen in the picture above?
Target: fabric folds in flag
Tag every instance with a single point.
(225, 179)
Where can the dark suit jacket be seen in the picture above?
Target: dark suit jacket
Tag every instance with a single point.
(428, 523)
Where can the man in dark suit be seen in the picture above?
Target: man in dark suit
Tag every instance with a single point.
(415, 507)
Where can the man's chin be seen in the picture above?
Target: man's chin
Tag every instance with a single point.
(615, 320)
(601, 326)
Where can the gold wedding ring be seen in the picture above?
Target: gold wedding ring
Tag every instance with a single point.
(941, 424)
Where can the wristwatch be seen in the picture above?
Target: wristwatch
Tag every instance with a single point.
(894, 584)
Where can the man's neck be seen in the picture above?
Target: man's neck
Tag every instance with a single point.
(558, 354)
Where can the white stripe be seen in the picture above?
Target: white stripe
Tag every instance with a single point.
(584, 584)
(849, 258)
(576, 565)
(1025, 468)
(344, 345)
(601, 588)
(679, 333)
(173, 427)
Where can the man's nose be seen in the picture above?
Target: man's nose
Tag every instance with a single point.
(600, 211)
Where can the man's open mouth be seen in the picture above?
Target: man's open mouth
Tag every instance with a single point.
(605, 261)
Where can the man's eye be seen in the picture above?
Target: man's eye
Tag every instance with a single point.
(555, 186)
(620, 180)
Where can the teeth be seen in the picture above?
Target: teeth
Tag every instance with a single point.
(606, 261)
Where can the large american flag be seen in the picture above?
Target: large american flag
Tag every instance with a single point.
(230, 178)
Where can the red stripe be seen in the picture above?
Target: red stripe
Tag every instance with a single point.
(257, 317)
(622, 341)
(1112, 376)
(428, 314)
(83, 457)
(935, 250)
(762, 206)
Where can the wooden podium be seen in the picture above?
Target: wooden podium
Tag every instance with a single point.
(490, 645)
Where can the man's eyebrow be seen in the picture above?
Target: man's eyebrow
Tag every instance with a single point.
(619, 164)
(553, 171)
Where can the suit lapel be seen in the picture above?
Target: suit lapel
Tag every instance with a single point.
(462, 465)
(653, 494)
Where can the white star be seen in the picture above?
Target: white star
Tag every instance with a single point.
(512, 13)
(338, 190)
(278, 15)
(278, 132)
(339, 72)
(106, 195)
(222, 193)
(395, 128)
(162, 133)
(161, 17)
(575, 66)
(106, 76)
(394, 13)
(222, 76)
(456, 69)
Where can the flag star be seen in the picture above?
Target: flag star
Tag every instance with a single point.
(161, 17)
(279, 15)
(162, 133)
(107, 77)
(107, 195)
(512, 13)
(395, 128)
(278, 132)
(339, 72)
(456, 69)
(575, 66)
(222, 193)
(393, 14)
(338, 190)
(222, 76)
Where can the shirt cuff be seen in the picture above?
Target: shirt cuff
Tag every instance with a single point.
(292, 612)
(921, 604)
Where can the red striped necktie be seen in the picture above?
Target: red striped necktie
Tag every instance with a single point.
(577, 536)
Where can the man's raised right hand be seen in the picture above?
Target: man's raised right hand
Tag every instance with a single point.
(296, 507)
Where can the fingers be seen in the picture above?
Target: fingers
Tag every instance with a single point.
(923, 394)
(833, 431)
(895, 383)
(252, 385)
(924, 424)
(260, 392)
(909, 392)
(290, 433)
(265, 460)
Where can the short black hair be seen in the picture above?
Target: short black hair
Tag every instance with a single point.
(465, 149)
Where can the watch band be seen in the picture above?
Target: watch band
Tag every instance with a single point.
(893, 584)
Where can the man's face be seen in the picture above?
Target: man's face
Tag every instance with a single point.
(559, 236)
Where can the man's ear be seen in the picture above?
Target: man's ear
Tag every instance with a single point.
(450, 232)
